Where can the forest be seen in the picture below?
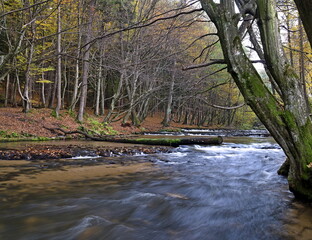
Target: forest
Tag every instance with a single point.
(205, 63)
(125, 60)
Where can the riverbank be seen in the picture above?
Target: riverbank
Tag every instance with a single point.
(16, 125)
(70, 150)
(41, 124)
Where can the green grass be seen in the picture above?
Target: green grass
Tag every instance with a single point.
(5, 134)
(16, 137)
(26, 139)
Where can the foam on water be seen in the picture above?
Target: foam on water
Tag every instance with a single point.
(177, 154)
(239, 147)
(139, 196)
(81, 226)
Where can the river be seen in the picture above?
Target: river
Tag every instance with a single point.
(230, 191)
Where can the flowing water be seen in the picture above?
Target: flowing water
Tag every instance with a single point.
(197, 192)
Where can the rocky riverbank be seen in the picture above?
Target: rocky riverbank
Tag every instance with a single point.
(42, 152)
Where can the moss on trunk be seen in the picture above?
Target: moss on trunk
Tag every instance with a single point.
(285, 115)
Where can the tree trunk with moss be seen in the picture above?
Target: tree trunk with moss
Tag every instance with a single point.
(285, 115)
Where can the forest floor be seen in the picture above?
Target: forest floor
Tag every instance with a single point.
(16, 124)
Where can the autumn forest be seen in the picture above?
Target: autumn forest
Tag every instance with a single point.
(125, 60)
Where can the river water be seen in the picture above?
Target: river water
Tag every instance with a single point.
(230, 191)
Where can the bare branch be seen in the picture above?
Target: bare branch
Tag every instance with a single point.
(227, 108)
(202, 52)
(287, 29)
(205, 35)
(215, 72)
(222, 107)
(219, 61)
(136, 26)
(296, 50)
(213, 87)
(25, 8)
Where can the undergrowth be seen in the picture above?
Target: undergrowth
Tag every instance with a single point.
(99, 128)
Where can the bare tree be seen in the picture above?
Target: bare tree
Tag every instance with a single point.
(85, 59)
(59, 63)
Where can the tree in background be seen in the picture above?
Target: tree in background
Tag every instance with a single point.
(125, 66)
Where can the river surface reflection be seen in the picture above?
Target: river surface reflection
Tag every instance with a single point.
(197, 192)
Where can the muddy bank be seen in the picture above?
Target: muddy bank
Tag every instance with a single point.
(42, 152)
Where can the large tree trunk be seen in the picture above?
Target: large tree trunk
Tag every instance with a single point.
(286, 116)
(301, 59)
(289, 39)
(297, 125)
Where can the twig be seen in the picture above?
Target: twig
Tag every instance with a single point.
(219, 61)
